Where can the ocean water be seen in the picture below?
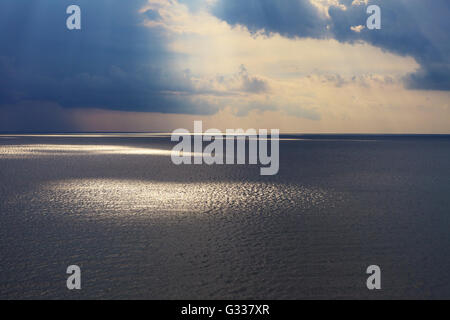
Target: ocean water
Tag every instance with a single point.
(142, 228)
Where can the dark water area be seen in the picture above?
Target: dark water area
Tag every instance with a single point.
(141, 227)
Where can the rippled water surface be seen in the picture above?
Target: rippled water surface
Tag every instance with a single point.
(141, 227)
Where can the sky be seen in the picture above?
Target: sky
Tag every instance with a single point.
(306, 66)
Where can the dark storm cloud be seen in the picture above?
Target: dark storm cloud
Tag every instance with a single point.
(414, 28)
(114, 62)
(290, 18)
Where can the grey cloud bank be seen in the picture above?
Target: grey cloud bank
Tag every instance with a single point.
(115, 62)
(406, 29)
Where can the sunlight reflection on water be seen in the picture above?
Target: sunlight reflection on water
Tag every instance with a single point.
(42, 150)
(124, 198)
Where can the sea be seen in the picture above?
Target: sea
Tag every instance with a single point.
(140, 227)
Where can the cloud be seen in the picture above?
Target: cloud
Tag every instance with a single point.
(357, 28)
(285, 63)
(298, 18)
(252, 84)
(115, 62)
(239, 83)
(152, 14)
(406, 28)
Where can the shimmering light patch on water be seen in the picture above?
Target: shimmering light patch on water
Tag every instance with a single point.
(124, 198)
(34, 150)
(89, 135)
